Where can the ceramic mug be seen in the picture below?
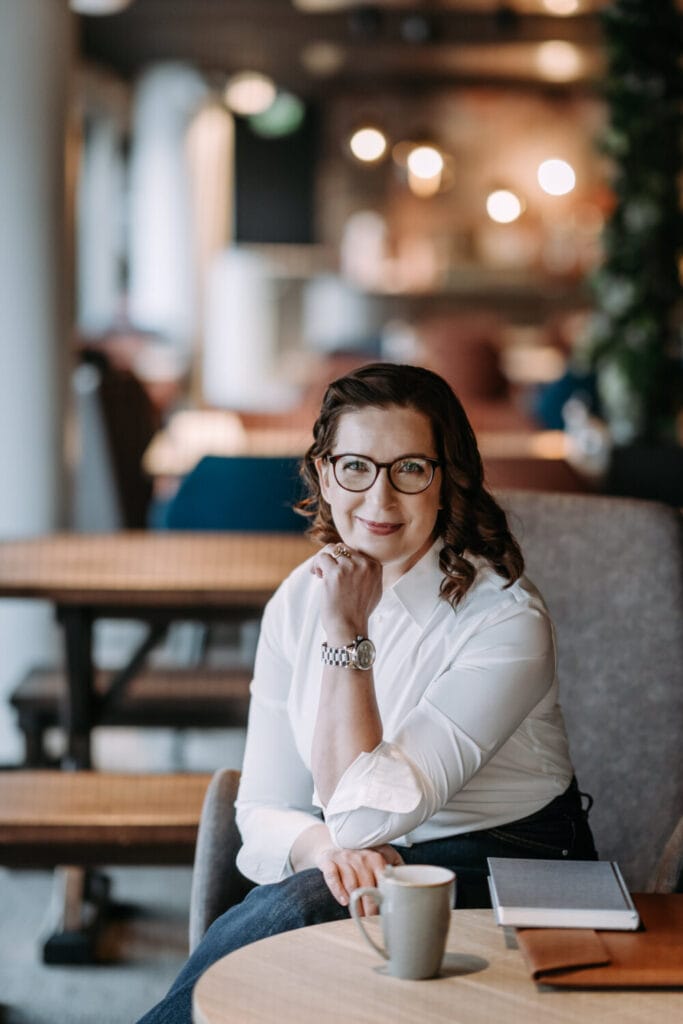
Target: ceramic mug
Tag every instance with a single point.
(415, 903)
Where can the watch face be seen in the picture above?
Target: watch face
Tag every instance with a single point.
(365, 654)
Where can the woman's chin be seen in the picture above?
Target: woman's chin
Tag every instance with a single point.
(382, 551)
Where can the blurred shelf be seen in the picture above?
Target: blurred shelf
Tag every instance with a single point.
(513, 291)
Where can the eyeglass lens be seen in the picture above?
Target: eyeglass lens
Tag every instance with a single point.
(409, 475)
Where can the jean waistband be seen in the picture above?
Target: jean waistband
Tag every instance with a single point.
(570, 802)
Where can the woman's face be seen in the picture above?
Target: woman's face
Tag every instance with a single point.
(395, 528)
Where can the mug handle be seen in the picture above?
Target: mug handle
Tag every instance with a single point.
(356, 895)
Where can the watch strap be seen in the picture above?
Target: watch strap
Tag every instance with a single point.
(338, 656)
(344, 657)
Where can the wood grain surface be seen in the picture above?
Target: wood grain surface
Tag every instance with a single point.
(52, 817)
(327, 973)
(137, 568)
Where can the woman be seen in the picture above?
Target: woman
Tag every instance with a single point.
(404, 704)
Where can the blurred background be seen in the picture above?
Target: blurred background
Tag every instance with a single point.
(213, 207)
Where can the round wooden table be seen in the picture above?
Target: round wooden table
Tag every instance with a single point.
(327, 974)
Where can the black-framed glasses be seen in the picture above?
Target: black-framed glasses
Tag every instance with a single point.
(409, 474)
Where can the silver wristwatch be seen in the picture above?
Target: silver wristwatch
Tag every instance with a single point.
(360, 654)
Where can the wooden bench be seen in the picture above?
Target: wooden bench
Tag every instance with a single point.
(89, 818)
(84, 819)
(169, 698)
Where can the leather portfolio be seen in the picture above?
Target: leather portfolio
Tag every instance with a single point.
(651, 957)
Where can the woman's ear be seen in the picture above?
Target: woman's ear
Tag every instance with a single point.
(323, 470)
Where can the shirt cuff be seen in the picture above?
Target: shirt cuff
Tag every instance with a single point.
(384, 780)
(268, 835)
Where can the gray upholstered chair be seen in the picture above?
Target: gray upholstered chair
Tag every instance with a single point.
(611, 571)
(216, 882)
(668, 875)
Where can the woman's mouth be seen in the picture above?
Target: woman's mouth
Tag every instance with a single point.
(379, 529)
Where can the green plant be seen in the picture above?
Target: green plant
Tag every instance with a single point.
(634, 342)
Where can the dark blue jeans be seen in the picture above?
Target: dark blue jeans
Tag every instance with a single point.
(558, 830)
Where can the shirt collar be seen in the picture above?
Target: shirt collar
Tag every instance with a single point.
(418, 589)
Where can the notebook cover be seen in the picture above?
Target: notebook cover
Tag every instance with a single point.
(560, 894)
(651, 957)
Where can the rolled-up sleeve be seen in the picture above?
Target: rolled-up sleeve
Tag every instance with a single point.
(274, 802)
(465, 715)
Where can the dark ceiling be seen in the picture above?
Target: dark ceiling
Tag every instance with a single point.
(391, 45)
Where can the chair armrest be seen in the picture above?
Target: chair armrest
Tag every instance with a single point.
(668, 875)
(216, 882)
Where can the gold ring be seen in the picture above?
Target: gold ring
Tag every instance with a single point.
(341, 551)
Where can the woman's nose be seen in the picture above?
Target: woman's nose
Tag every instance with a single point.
(381, 491)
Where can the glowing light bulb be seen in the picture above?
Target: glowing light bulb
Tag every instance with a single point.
(503, 206)
(556, 177)
(562, 8)
(558, 61)
(425, 162)
(249, 92)
(368, 144)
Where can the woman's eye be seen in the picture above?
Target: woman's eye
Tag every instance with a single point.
(411, 467)
(355, 466)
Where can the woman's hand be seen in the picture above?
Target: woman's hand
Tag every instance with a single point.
(352, 587)
(346, 870)
(343, 870)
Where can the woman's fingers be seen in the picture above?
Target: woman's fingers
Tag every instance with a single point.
(332, 875)
(328, 560)
(367, 874)
(340, 559)
(351, 588)
(346, 870)
(351, 878)
(321, 561)
(374, 863)
(390, 855)
(354, 872)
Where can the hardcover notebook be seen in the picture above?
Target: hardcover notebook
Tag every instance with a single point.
(560, 894)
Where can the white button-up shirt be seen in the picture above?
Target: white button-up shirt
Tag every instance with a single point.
(473, 734)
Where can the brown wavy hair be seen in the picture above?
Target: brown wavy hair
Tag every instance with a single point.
(471, 520)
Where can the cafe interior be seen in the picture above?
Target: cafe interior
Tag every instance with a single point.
(212, 209)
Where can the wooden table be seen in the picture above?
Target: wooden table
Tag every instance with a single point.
(327, 973)
(156, 577)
